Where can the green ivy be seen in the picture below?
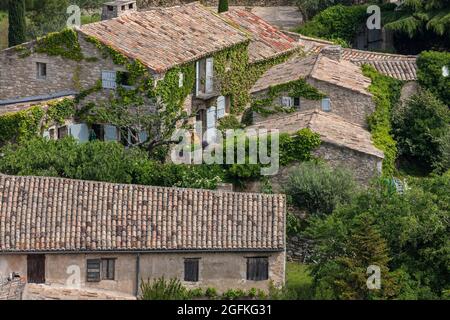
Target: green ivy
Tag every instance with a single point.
(386, 93)
(229, 122)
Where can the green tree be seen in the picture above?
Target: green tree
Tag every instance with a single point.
(223, 6)
(17, 24)
(419, 127)
(431, 67)
(47, 16)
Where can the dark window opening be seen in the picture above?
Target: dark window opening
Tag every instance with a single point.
(258, 268)
(130, 6)
(97, 132)
(191, 270)
(108, 269)
(110, 8)
(123, 8)
(297, 102)
(62, 132)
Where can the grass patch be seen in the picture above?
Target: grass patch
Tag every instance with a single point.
(85, 19)
(3, 30)
(299, 281)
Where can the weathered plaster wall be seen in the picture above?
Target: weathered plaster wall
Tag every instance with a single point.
(222, 271)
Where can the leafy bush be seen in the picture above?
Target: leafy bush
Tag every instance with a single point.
(318, 188)
(421, 128)
(386, 94)
(293, 226)
(430, 73)
(161, 289)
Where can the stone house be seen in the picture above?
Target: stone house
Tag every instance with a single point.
(342, 84)
(110, 236)
(162, 39)
(344, 144)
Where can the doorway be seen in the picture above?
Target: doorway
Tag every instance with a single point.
(36, 268)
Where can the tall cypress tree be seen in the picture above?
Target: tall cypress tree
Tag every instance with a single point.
(223, 6)
(16, 9)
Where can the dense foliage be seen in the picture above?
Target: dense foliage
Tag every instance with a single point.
(420, 127)
(338, 23)
(431, 73)
(17, 23)
(386, 94)
(223, 6)
(318, 188)
(406, 235)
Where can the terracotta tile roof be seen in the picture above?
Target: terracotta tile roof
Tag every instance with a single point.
(16, 107)
(402, 67)
(267, 41)
(331, 128)
(162, 38)
(340, 73)
(54, 214)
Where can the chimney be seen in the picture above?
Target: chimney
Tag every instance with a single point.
(117, 8)
(333, 52)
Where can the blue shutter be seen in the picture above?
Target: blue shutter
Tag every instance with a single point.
(220, 107)
(326, 105)
(79, 131)
(109, 80)
(209, 75)
(110, 133)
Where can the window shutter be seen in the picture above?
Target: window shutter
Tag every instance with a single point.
(191, 270)
(109, 79)
(211, 118)
(257, 269)
(93, 270)
(180, 80)
(197, 78)
(143, 136)
(110, 133)
(326, 105)
(209, 75)
(220, 107)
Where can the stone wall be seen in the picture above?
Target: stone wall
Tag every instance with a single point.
(223, 270)
(350, 105)
(298, 249)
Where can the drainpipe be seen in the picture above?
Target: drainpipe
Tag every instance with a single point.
(138, 271)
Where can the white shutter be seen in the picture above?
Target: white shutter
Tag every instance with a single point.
(209, 75)
(287, 102)
(197, 78)
(110, 133)
(109, 79)
(143, 136)
(211, 118)
(46, 134)
(180, 79)
(220, 107)
(79, 131)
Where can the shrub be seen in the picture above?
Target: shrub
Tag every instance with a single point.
(318, 188)
(421, 128)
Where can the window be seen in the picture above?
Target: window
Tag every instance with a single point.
(191, 270)
(123, 8)
(180, 80)
(93, 270)
(100, 269)
(51, 134)
(108, 269)
(297, 103)
(326, 105)
(108, 79)
(205, 76)
(110, 8)
(258, 268)
(287, 102)
(130, 6)
(62, 132)
(41, 70)
(97, 132)
(123, 78)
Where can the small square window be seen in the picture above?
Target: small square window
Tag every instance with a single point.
(297, 102)
(258, 268)
(110, 8)
(62, 132)
(130, 6)
(41, 70)
(191, 270)
(123, 8)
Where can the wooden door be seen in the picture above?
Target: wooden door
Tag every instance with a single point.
(36, 268)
